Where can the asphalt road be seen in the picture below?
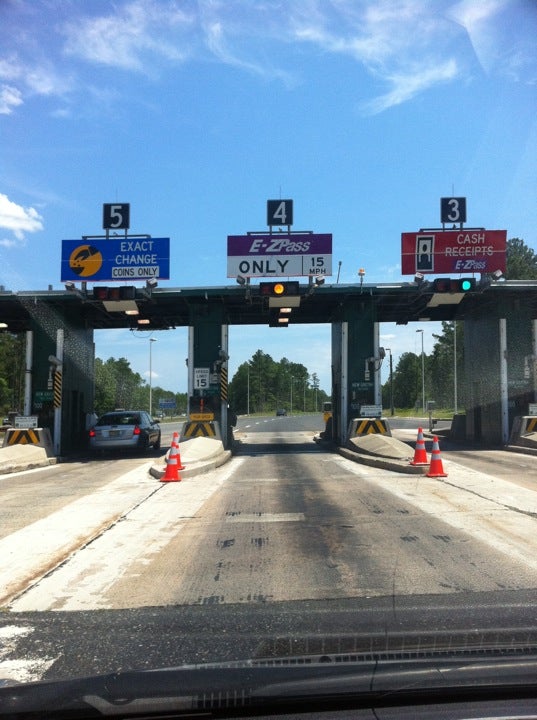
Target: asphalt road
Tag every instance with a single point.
(287, 543)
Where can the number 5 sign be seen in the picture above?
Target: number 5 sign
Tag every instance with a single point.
(279, 212)
(116, 216)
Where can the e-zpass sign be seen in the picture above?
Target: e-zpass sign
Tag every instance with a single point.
(279, 255)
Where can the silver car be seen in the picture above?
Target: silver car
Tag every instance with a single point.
(124, 430)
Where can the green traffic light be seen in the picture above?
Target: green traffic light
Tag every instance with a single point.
(466, 285)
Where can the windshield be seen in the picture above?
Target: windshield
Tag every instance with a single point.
(119, 419)
(302, 237)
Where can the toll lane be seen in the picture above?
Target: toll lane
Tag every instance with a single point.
(286, 520)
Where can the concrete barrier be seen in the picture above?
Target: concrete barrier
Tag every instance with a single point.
(29, 436)
(524, 431)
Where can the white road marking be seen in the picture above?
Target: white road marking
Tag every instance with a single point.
(22, 670)
(34, 550)
(82, 582)
(262, 517)
(489, 509)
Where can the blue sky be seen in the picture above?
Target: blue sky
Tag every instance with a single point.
(363, 112)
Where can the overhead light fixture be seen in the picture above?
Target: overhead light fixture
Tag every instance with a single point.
(132, 312)
(143, 321)
(151, 284)
(72, 288)
(319, 281)
(240, 280)
(3, 326)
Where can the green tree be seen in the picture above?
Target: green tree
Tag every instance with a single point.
(441, 366)
(12, 360)
(116, 385)
(521, 261)
(262, 385)
(407, 381)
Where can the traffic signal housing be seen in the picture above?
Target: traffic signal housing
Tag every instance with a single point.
(453, 285)
(279, 289)
(111, 294)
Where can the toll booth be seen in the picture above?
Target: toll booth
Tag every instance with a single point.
(500, 351)
(356, 359)
(60, 378)
(208, 376)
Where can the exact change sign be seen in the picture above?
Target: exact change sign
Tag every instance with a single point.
(279, 255)
(136, 258)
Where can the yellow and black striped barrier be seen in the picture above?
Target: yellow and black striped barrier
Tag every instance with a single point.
(531, 424)
(29, 436)
(369, 426)
(200, 428)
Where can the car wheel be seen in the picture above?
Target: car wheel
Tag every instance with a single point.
(156, 445)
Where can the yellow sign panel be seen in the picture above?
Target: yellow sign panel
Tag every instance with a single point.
(202, 416)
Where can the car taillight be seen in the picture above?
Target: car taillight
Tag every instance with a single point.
(136, 430)
(92, 432)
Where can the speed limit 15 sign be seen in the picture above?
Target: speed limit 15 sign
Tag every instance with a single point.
(116, 216)
(279, 212)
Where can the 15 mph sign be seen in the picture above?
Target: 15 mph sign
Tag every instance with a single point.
(453, 251)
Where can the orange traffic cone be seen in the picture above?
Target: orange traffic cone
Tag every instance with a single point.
(172, 472)
(420, 454)
(436, 469)
(174, 450)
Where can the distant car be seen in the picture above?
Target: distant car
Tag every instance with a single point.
(281, 411)
(124, 430)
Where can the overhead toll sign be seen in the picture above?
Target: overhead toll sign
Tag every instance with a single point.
(466, 250)
(279, 255)
(127, 258)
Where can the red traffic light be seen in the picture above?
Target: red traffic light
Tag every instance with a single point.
(124, 292)
(279, 289)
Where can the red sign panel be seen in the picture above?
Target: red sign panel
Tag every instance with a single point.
(453, 251)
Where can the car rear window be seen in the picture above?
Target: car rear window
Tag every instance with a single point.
(119, 419)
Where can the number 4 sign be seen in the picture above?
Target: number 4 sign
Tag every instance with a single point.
(279, 212)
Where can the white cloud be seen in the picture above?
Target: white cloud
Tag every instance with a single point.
(18, 219)
(406, 86)
(10, 98)
(121, 39)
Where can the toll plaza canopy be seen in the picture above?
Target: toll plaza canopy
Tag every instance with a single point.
(164, 308)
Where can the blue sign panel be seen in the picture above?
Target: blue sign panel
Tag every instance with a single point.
(131, 259)
(167, 404)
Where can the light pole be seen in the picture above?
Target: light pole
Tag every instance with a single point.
(292, 381)
(455, 408)
(151, 341)
(391, 382)
(248, 390)
(422, 372)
